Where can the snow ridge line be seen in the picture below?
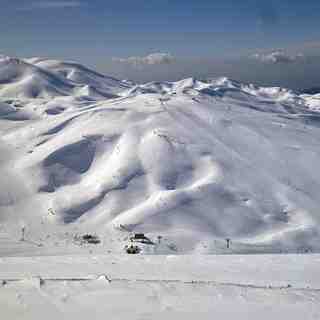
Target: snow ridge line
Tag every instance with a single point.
(168, 281)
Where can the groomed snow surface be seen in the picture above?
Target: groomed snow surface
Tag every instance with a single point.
(189, 163)
(161, 287)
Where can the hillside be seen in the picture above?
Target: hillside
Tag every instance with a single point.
(81, 75)
(31, 78)
(194, 161)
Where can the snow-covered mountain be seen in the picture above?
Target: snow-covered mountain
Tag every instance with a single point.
(41, 78)
(91, 80)
(194, 161)
(312, 101)
(19, 79)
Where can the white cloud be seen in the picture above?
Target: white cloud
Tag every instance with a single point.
(51, 4)
(277, 56)
(151, 59)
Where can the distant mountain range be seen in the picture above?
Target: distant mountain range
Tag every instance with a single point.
(314, 90)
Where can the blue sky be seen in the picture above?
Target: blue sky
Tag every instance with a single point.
(202, 35)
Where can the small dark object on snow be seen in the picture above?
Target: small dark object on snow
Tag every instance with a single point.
(23, 232)
(140, 237)
(132, 249)
(89, 238)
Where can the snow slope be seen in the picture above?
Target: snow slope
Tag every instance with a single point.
(170, 287)
(312, 101)
(194, 161)
(28, 79)
(92, 80)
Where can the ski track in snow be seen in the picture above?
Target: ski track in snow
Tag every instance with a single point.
(192, 282)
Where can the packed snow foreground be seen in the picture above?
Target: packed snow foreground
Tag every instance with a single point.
(199, 167)
(161, 287)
